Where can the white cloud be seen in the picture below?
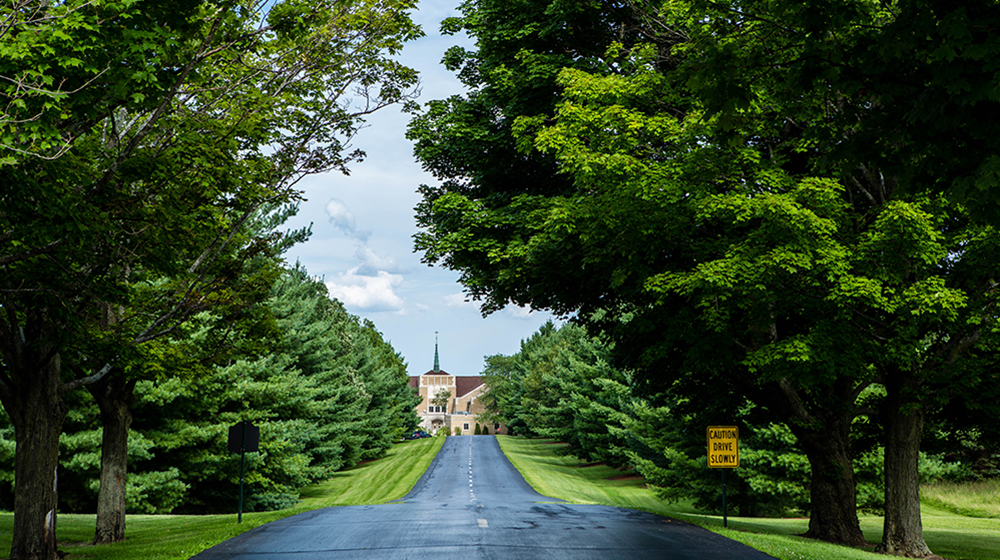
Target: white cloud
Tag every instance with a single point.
(370, 293)
(512, 311)
(342, 217)
(371, 262)
(518, 311)
(457, 300)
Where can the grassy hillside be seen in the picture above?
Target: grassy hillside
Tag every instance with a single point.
(948, 533)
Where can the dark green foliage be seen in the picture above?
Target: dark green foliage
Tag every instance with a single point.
(560, 385)
(141, 141)
(864, 84)
(393, 403)
(747, 199)
(324, 388)
(333, 394)
(503, 376)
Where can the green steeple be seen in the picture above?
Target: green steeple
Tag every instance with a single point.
(437, 363)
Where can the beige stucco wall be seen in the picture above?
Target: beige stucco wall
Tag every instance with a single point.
(463, 412)
(470, 402)
(430, 386)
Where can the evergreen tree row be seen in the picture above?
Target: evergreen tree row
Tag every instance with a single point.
(561, 385)
(323, 386)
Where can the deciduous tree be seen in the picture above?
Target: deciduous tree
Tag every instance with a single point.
(735, 224)
(140, 139)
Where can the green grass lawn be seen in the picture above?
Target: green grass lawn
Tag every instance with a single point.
(949, 534)
(178, 537)
(975, 499)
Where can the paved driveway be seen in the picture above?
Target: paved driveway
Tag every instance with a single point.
(473, 504)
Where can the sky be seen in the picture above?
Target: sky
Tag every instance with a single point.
(363, 226)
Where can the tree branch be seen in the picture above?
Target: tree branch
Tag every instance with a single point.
(77, 383)
(24, 255)
(798, 408)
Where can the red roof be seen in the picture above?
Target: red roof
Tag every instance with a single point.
(466, 385)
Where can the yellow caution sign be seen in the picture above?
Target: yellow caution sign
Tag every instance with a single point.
(723, 447)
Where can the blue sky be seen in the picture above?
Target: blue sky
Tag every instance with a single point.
(362, 244)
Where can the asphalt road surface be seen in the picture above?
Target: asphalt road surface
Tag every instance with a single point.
(473, 504)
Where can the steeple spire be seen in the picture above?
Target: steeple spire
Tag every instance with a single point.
(437, 363)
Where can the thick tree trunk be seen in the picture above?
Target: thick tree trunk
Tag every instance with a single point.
(903, 532)
(834, 514)
(823, 429)
(114, 396)
(36, 408)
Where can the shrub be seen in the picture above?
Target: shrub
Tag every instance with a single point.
(458, 431)
(269, 502)
(477, 432)
(153, 492)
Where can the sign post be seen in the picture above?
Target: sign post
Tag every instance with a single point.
(723, 453)
(243, 437)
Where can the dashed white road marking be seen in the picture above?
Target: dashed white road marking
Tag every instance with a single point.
(483, 523)
(472, 493)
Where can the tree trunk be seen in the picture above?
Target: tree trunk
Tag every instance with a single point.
(114, 396)
(834, 514)
(903, 532)
(36, 408)
(823, 429)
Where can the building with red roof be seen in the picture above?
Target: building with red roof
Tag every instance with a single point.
(452, 401)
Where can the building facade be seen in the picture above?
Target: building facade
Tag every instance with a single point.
(452, 401)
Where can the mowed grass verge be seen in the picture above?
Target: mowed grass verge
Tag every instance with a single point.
(974, 499)
(178, 537)
(948, 534)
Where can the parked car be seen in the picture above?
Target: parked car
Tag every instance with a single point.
(419, 434)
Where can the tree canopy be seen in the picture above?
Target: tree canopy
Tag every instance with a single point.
(737, 199)
(141, 142)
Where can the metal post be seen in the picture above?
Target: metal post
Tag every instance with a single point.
(725, 520)
(243, 468)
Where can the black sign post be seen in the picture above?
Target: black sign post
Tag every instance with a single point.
(723, 453)
(243, 437)
(725, 520)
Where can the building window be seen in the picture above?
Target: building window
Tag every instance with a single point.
(465, 426)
